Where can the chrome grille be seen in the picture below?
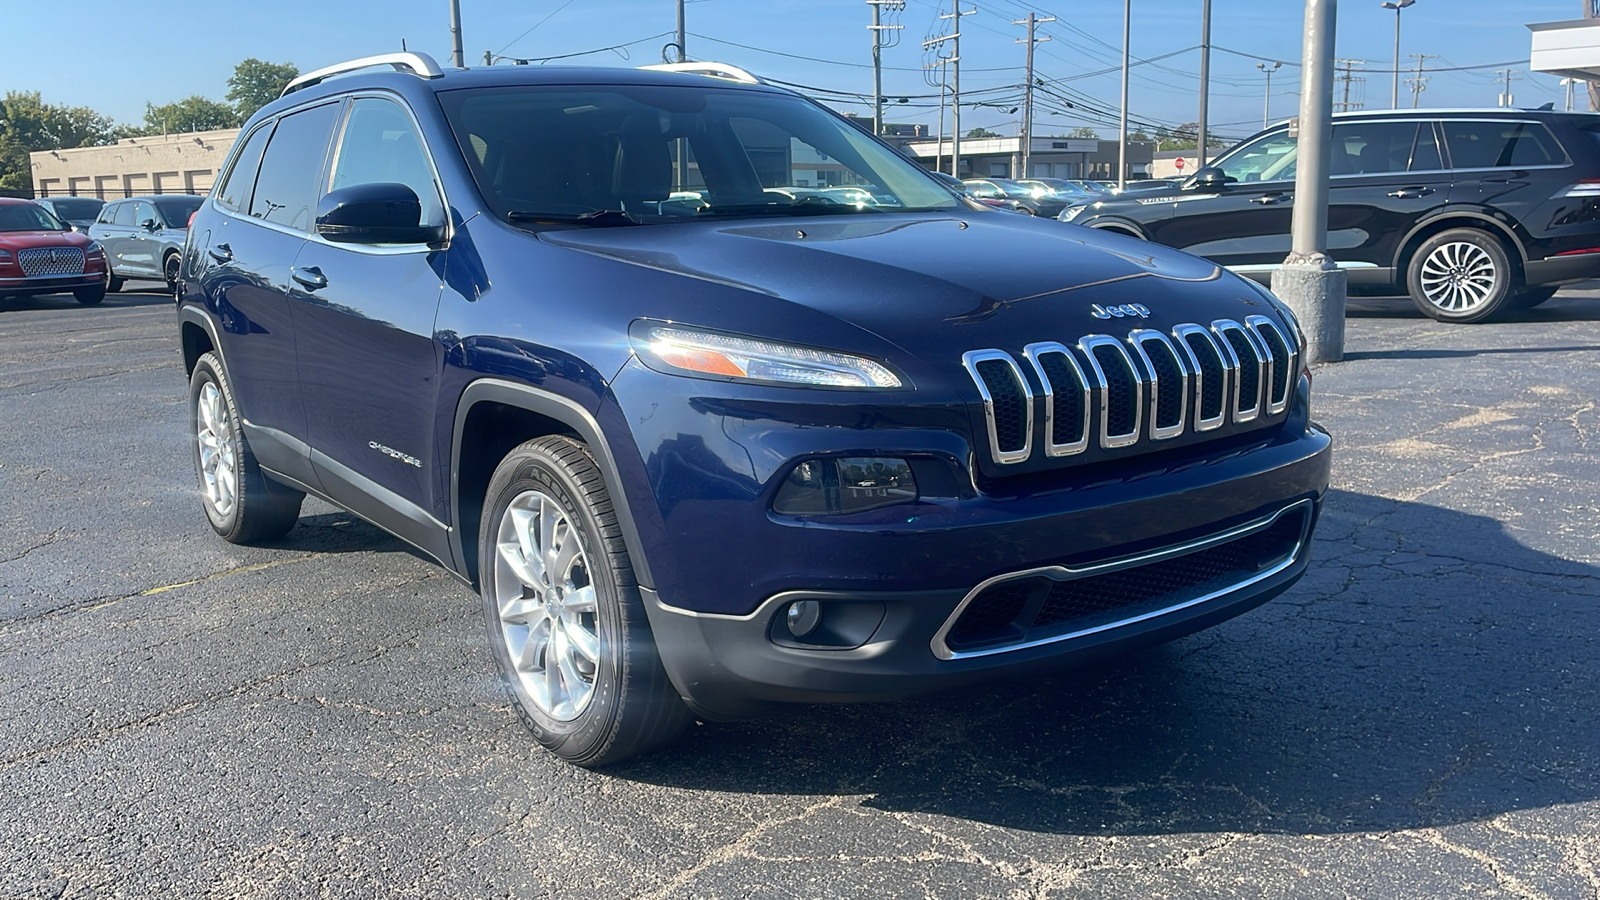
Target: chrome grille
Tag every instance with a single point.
(1114, 392)
(50, 261)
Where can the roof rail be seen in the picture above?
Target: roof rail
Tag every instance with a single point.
(713, 69)
(419, 64)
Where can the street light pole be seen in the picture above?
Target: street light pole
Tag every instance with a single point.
(1266, 103)
(1396, 5)
(1309, 281)
(1122, 138)
(457, 59)
(1205, 77)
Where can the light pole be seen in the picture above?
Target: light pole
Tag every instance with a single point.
(1266, 103)
(1396, 5)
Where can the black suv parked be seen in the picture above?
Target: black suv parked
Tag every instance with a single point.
(703, 443)
(1470, 212)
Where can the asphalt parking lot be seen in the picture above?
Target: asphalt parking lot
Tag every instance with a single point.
(1420, 717)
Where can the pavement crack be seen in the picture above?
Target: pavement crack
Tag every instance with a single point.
(1505, 880)
(739, 847)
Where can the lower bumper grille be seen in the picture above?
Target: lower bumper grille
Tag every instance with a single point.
(1052, 604)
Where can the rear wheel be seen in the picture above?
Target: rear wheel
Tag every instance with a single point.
(1461, 275)
(241, 503)
(565, 620)
(169, 271)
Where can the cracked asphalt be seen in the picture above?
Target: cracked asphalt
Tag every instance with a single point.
(180, 717)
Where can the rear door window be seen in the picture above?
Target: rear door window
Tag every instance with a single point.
(1382, 148)
(235, 191)
(291, 168)
(1499, 145)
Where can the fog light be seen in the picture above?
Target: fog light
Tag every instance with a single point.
(830, 487)
(803, 617)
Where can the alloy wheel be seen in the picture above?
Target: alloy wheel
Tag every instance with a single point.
(1459, 276)
(546, 599)
(218, 465)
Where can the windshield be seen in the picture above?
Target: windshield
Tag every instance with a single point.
(28, 217)
(76, 208)
(177, 210)
(1270, 158)
(659, 154)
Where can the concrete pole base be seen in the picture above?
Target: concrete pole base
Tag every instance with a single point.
(1315, 289)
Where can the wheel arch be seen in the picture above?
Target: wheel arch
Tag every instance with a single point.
(1119, 226)
(492, 417)
(1481, 221)
(198, 337)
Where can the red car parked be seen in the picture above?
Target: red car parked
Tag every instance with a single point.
(40, 254)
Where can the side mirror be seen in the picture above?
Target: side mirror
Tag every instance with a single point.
(148, 225)
(380, 213)
(1211, 178)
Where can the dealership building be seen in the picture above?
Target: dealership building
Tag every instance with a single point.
(158, 164)
(1049, 157)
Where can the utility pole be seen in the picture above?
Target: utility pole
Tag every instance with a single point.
(488, 58)
(1122, 133)
(1266, 104)
(456, 57)
(683, 35)
(1309, 281)
(1419, 81)
(1205, 78)
(877, 28)
(954, 61)
(1031, 21)
(1506, 100)
(1396, 5)
(1348, 77)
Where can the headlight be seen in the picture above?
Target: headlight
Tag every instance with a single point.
(5, 254)
(1072, 212)
(93, 248)
(685, 351)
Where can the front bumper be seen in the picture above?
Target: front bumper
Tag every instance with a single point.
(737, 666)
(50, 284)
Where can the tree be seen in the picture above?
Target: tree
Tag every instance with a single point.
(1083, 131)
(27, 124)
(1139, 135)
(981, 133)
(192, 113)
(255, 84)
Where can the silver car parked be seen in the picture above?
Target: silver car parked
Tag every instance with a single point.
(144, 236)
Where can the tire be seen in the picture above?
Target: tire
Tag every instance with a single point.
(170, 268)
(89, 296)
(242, 504)
(1528, 298)
(588, 682)
(1462, 275)
(113, 283)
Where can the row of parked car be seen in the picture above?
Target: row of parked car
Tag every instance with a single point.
(88, 247)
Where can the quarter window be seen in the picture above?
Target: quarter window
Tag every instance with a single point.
(235, 192)
(292, 166)
(1498, 145)
(380, 145)
(144, 212)
(124, 215)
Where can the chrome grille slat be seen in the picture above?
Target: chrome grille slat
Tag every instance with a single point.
(1139, 338)
(37, 261)
(1241, 412)
(1037, 354)
(1282, 355)
(972, 360)
(1090, 345)
(1187, 335)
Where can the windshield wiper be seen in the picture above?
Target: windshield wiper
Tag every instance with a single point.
(795, 209)
(597, 218)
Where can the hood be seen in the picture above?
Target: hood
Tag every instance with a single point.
(23, 240)
(938, 285)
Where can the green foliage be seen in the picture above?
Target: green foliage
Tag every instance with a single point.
(256, 83)
(1083, 132)
(27, 124)
(981, 133)
(192, 113)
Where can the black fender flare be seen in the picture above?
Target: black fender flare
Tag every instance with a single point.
(190, 314)
(1502, 228)
(569, 413)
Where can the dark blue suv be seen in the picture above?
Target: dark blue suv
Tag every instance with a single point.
(720, 402)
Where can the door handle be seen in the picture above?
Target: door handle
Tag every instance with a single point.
(1270, 199)
(1410, 192)
(221, 253)
(310, 278)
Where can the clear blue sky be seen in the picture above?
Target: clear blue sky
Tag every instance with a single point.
(161, 52)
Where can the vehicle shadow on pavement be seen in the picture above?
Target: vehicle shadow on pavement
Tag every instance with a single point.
(155, 296)
(1561, 308)
(1439, 353)
(1428, 670)
(340, 532)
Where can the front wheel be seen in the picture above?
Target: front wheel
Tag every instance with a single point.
(242, 504)
(89, 296)
(565, 620)
(1462, 275)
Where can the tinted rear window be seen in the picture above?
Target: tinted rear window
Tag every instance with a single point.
(75, 207)
(292, 167)
(1494, 145)
(175, 211)
(235, 191)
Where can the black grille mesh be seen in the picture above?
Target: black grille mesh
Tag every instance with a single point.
(1169, 382)
(1122, 413)
(1068, 388)
(1249, 368)
(1211, 375)
(991, 618)
(1280, 363)
(1010, 407)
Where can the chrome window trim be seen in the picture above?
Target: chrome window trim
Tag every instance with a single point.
(1256, 323)
(1110, 441)
(1032, 352)
(1137, 338)
(1230, 370)
(969, 361)
(942, 650)
(1239, 413)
